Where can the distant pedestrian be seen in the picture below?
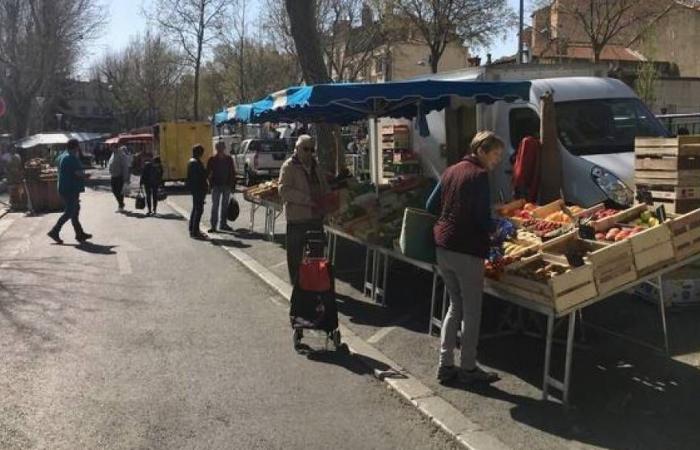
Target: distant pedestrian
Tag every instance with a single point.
(71, 182)
(301, 186)
(151, 178)
(119, 171)
(197, 183)
(221, 173)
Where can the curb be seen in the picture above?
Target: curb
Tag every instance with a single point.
(448, 418)
(3, 212)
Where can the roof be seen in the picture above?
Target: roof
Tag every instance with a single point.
(611, 52)
(126, 138)
(56, 138)
(579, 88)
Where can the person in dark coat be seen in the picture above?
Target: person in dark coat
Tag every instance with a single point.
(151, 178)
(462, 236)
(198, 186)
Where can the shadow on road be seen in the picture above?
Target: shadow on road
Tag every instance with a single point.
(143, 215)
(354, 362)
(95, 249)
(227, 242)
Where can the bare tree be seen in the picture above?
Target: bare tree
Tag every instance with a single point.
(142, 79)
(39, 45)
(440, 22)
(194, 25)
(603, 22)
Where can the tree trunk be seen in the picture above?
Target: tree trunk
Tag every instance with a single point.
(302, 20)
(597, 50)
(434, 61)
(195, 103)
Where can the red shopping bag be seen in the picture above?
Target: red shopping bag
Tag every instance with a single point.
(315, 275)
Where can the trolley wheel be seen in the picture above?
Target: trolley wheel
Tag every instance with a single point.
(297, 334)
(335, 337)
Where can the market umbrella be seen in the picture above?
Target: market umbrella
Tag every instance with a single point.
(550, 158)
(344, 103)
(235, 114)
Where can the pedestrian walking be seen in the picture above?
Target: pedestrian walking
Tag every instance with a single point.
(151, 178)
(301, 187)
(71, 182)
(462, 234)
(221, 173)
(119, 171)
(198, 186)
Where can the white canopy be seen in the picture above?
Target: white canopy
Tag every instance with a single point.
(56, 138)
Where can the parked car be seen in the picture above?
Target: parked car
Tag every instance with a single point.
(257, 159)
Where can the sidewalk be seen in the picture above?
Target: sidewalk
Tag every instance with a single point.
(623, 395)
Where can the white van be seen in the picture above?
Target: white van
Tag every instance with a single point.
(597, 121)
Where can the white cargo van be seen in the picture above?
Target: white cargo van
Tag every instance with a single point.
(597, 121)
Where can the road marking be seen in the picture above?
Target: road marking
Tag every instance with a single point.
(279, 264)
(384, 332)
(124, 263)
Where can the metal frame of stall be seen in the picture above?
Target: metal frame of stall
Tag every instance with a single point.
(376, 283)
(272, 213)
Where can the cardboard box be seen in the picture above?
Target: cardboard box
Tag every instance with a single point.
(681, 287)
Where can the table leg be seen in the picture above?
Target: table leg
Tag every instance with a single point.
(569, 351)
(385, 275)
(432, 302)
(368, 285)
(547, 356)
(662, 308)
(375, 274)
(253, 207)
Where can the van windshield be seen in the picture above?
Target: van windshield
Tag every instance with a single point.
(601, 126)
(270, 146)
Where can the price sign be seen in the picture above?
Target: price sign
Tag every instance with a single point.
(661, 214)
(644, 196)
(586, 232)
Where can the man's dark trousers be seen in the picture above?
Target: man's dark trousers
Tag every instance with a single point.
(296, 241)
(118, 190)
(197, 210)
(71, 212)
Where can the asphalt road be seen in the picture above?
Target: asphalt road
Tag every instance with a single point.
(147, 339)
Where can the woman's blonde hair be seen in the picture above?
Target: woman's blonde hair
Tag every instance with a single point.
(486, 140)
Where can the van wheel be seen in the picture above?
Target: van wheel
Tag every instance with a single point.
(248, 178)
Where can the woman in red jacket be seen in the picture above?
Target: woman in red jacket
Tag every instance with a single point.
(462, 234)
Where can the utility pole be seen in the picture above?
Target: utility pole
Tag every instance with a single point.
(520, 32)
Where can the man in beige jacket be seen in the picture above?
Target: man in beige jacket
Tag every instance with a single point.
(301, 186)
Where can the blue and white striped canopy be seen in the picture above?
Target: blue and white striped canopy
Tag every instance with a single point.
(350, 102)
(234, 114)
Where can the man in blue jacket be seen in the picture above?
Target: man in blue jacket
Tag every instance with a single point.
(71, 182)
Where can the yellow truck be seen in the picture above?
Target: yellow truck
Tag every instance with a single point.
(173, 142)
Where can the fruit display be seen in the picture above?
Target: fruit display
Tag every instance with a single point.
(524, 212)
(558, 216)
(267, 191)
(624, 230)
(513, 247)
(528, 236)
(540, 270)
(493, 268)
(602, 213)
(544, 229)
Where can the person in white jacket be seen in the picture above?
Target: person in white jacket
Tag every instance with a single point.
(119, 171)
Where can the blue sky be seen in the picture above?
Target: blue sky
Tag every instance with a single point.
(125, 20)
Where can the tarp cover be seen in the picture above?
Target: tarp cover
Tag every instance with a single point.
(234, 114)
(59, 138)
(348, 102)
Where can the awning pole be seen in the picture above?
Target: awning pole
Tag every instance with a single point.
(373, 149)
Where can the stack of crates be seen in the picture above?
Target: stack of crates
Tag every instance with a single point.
(669, 170)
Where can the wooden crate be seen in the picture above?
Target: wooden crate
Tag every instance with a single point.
(676, 199)
(613, 263)
(685, 234)
(561, 292)
(652, 247)
(667, 162)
